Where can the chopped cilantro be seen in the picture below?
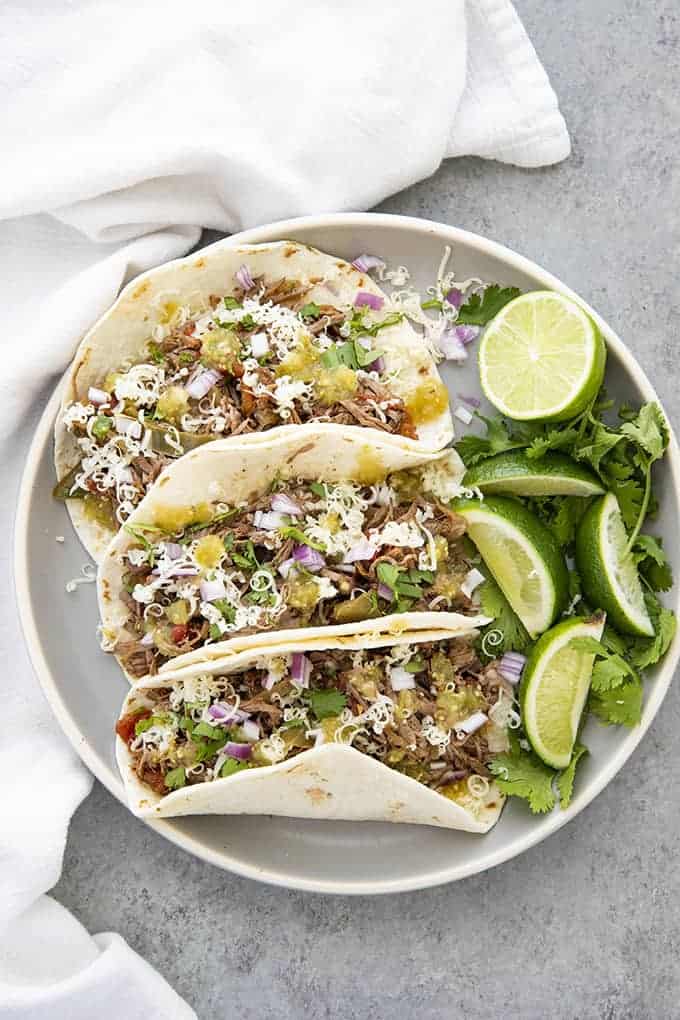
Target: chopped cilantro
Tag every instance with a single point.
(432, 303)
(215, 632)
(155, 353)
(310, 311)
(231, 766)
(231, 303)
(176, 778)
(565, 780)
(247, 322)
(246, 556)
(290, 531)
(498, 439)
(204, 729)
(186, 357)
(318, 488)
(326, 702)
(482, 308)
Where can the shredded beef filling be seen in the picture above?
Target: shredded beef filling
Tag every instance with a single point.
(176, 734)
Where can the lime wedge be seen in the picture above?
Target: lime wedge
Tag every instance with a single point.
(555, 687)
(541, 357)
(523, 557)
(553, 474)
(610, 577)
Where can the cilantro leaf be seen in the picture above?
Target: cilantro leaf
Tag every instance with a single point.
(565, 780)
(620, 706)
(610, 673)
(481, 308)
(562, 514)
(630, 495)
(498, 438)
(176, 778)
(648, 430)
(652, 563)
(521, 774)
(246, 556)
(645, 652)
(326, 702)
(494, 603)
(554, 439)
(598, 445)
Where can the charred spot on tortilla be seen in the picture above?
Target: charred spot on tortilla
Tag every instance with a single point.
(199, 263)
(316, 795)
(300, 450)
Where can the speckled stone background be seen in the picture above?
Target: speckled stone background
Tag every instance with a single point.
(586, 925)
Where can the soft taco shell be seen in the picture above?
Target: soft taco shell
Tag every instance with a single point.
(333, 781)
(233, 471)
(122, 332)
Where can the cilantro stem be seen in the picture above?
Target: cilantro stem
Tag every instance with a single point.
(643, 509)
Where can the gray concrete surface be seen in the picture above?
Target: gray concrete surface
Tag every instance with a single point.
(586, 925)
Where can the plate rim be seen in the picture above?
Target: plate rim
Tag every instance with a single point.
(541, 827)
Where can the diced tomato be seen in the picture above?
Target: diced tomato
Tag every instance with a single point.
(179, 633)
(125, 727)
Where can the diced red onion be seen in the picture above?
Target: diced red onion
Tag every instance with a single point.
(471, 581)
(365, 298)
(511, 666)
(202, 383)
(377, 366)
(240, 751)
(173, 550)
(401, 679)
(364, 263)
(309, 558)
(285, 505)
(455, 297)
(259, 345)
(385, 592)
(470, 401)
(127, 426)
(451, 346)
(251, 730)
(147, 640)
(462, 414)
(211, 590)
(300, 669)
(362, 550)
(284, 567)
(269, 521)
(243, 278)
(466, 334)
(473, 723)
(227, 714)
(97, 396)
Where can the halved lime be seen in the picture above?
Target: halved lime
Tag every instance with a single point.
(553, 474)
(523, 557)
(555, 686)
(541, 357)
(610, 577)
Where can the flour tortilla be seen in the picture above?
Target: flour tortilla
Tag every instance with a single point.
(333, 781)
(122, 333)
(235, 470)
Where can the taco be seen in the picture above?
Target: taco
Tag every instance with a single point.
(244, 538)
(230, 342)
(323, 727)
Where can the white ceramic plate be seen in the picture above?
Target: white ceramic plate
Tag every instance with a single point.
(85, 687)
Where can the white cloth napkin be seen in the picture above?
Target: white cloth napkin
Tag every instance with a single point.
(125, 129)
